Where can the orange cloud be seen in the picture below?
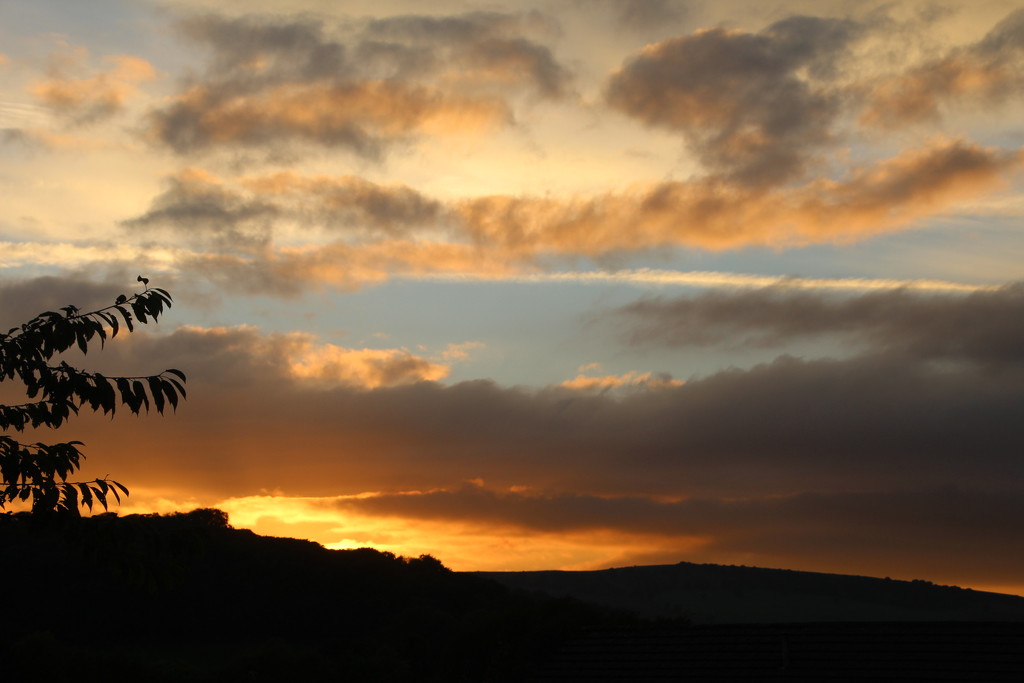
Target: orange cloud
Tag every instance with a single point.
(986, 72)
(387, 230)
(632, 379)
(712, 215)
(87, 99)
(299, 356)
(915, 97)
(288, 270)
(366, 368)
(361, 116)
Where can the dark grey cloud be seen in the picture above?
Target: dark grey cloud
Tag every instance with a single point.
(1007, 35)
(23, 299)
(242, 218)
(791, 426)
(496, 44)
(273, 80)
(351, 204)
(982, 327)
(208, 214)
(250, 51)
(874, 532)
(740, 99)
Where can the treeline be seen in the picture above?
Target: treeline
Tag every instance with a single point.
(185, 597)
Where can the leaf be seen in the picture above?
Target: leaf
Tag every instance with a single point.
(179, 373)
(172, 395)
(127, 317)
(83, 344)
(157, 390)
(86, 495)
(140, 393)
(178, 386)
(125, 389)
(139, 309)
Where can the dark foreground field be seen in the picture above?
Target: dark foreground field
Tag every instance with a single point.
(187, 598)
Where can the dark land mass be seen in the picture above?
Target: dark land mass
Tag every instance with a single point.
(717, 594)
(752, 624)
(185, 597)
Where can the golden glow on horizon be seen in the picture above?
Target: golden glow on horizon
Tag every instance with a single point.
(465, 545)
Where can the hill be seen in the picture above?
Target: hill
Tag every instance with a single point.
(185, 597)
(709, 594)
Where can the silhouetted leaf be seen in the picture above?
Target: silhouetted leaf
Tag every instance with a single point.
(156, 389)
(40, 472)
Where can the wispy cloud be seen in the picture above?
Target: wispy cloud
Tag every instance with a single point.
(988, 71)
(645, 277)
(285, 81)
(95, 96)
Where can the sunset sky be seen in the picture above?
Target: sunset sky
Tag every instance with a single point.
(545, 285)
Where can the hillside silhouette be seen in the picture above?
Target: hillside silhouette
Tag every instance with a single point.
(185, 597)
(710, 594)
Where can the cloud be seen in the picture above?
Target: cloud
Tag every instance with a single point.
(289, 271)
(630, 380)
(366, 368)
(458, 352)
(642, 277)
(869, 200)
(350, 203)
(38, 138)
(979, 327)
(198, 205)
(882, 422)
(475, 49)
(243, 217)
(273, 82)
(913, 530)
(362, 117)
(87, 99)
(740, 99)
(379, 231)
(645, 14)
(22, 300)
(71, 256)
(987, 72)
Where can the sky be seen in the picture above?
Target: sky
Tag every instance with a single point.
(545, 285)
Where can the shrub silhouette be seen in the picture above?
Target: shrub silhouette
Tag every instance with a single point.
(40, 471)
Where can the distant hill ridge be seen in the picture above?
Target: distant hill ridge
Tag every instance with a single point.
(724, 594)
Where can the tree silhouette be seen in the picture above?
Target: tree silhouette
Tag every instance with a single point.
(56, 391)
